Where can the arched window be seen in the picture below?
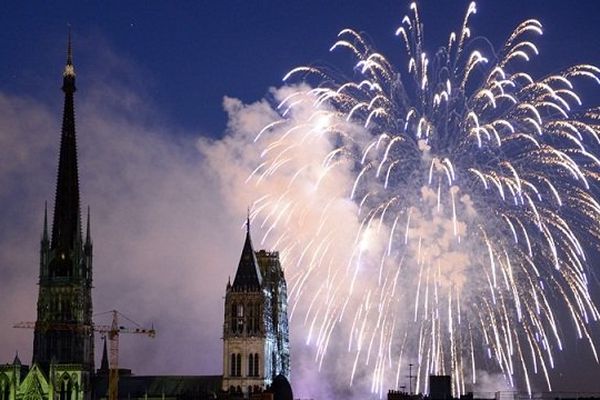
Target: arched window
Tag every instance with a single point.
(232, 365)
(238, 365)
(240, 318)
(256, 365)
(4, 388)
(66, 388)
(257, 317)
(250, 325)
(249, 389)
(69, 389)
(251, 365)
(233, 317)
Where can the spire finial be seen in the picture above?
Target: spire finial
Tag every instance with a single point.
(69, 49)
(69, 69)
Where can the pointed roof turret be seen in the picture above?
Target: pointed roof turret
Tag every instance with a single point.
(104, 362)
(248, 273)
(45, 231)
(66, 222)
(88, 235)
(17, 360)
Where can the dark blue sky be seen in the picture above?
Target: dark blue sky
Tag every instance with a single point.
(193, 53)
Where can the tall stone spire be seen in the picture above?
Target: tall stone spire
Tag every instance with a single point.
(66, 223)
(65, 283)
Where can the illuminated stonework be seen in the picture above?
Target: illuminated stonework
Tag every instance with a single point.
(255, 329)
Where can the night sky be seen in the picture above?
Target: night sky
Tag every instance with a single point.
(152, 77)
(194, 54)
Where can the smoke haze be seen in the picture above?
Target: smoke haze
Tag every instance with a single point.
(166, 214)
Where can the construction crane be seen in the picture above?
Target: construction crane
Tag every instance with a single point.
(112, 332)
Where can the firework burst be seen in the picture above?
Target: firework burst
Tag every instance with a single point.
(472, 184)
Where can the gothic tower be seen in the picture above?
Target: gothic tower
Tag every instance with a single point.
(255, 329)
(63, 330)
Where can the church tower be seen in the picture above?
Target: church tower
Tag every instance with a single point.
(255, 329)
(63, 331)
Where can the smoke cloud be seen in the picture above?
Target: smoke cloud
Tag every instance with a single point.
(167, 208)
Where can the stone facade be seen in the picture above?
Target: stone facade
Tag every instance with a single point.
(58, 382)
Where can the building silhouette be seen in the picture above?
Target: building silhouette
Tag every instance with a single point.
(256, 357)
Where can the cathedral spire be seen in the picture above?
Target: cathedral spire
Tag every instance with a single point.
(65, 284)
(248, 274)
(66, 222)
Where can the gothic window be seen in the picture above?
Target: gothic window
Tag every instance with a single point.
(257, 317)
(66, 388)
(238, 365)
(240, 318)
(256, 365)
(69, 389)
(251, 365)
(233, 317)
(250, 326)
(233, 369)
(4, 388)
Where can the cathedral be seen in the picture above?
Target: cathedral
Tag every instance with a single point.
(256, 353)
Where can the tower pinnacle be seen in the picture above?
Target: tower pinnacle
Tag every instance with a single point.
(45, 231)
(248, 273)
(88, 236)
(104, 361)
(248, 221)
(69, 69)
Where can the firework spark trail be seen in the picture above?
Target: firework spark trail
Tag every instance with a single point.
(473, 191)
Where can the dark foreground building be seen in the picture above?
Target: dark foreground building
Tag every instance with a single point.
(256, 357)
